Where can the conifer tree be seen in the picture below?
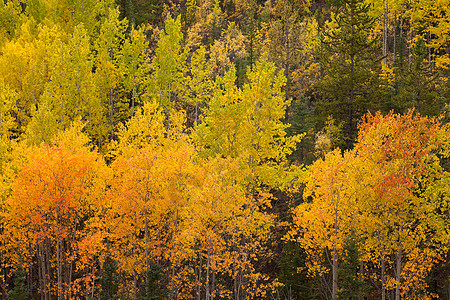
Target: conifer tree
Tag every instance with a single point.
(348, 56)
(20, 290)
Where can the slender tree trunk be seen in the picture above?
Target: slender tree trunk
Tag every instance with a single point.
(401, 41)
(398, 272)
(47, 272)
(286, 71)
(351, 102)
(172, 281)
(196, 112)
(429, 49)
(79, 100)
(383, 266)
(133, 94)
(93, 281)
(111, 108)
(385, 26)
(410, 44)
(335, 274)
(383, 278)
(335, 254)
(200, 279)
(213, 283)
(208, 253)
(58, 256)
(395, 36)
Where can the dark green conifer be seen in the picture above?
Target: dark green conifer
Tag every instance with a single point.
(349, 57)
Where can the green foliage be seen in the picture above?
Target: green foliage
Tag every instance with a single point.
(348, 57)
(302, 122)
(168, 64)
(154, 288)
(417, 84)
(352, 286)
(109, 280)
(247, 123)
(298, 284)
(20, 290)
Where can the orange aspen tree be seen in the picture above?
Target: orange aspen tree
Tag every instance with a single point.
(401, 151)
(56, 191)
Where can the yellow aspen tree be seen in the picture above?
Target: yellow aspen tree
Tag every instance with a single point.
(108, 74)
(248, 123)
(322, 223)
(167, 66)
(134, 65)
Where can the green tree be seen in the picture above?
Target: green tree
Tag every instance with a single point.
(20, 290)
(198, 84)
(154, 288)
(134, 64)
(167, 66)
(416, 83)
(248, 123)
(109, 281)
(108, 73)
(348, 58)
(352, 285)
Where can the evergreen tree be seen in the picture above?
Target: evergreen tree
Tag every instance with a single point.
(154, 289)
(20, 290)
(417, 83)
(352, 287)
(348, 58)
(109, 280)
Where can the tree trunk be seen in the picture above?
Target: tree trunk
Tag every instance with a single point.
(350, 104)
(385, 26)
(335, 274)
(395, 36)
(334, 289)
(398, 272)
(133, 93)
(58, 256)
(111, 107)
(172, 282)
(200, 279)
(208, 261)
(286, 72)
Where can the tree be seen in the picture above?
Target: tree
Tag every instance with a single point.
(400, 153)
(108, 74)
(322, 225)
(348, 56)
(167, 66)
(152, 165)
(198, 84)
(247, 124)
(55, 193)
(134, 64)
(377, 196)
(68, 93)
(20, 290)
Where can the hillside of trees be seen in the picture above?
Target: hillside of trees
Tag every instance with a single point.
(224, 149)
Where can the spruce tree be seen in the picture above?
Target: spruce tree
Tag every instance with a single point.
(351, 285)
(20, 290)
(348, 56)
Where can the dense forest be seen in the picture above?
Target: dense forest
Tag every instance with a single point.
(224, 149)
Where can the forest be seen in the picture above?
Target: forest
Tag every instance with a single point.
(224, 149)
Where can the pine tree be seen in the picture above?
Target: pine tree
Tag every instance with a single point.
(352, 287)
(348, 58)
(20, 290)
(108, 281)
